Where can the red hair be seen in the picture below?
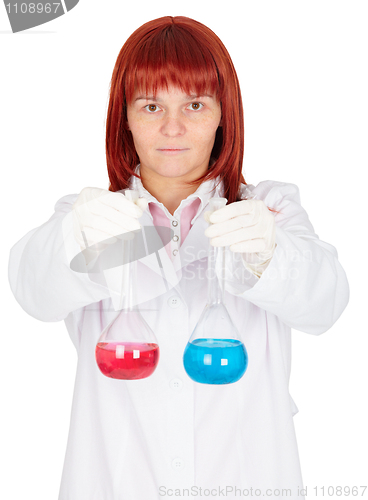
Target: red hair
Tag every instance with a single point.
(185, 53)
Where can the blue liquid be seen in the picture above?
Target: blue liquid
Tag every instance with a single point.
(215, 361)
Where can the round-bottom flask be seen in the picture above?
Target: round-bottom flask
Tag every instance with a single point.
(127, 348)
(215, 353)
(129, 360)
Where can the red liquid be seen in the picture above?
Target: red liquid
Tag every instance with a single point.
(127, 360)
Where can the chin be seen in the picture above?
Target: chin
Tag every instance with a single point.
(173, 170)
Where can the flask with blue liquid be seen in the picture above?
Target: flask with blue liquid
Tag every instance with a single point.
(215, 354)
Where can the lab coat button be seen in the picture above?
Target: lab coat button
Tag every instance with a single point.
(175, 252)
(176, 384)
(174, 301)
(177, 463)
(175, 238)
(174, 223)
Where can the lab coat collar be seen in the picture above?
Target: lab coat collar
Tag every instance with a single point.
(204, 192)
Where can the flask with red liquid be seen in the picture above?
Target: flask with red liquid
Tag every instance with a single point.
(127, 348)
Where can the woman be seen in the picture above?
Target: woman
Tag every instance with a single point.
(175, 134)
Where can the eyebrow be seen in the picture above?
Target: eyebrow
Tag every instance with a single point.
(154, 98)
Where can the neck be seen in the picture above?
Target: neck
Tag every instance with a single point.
(168, 191)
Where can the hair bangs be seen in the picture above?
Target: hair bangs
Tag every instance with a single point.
(172, 57)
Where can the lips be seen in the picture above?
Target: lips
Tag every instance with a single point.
(172, 151)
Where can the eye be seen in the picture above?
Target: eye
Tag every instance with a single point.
(150, 106)
(196, 104)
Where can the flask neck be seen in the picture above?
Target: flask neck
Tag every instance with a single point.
(215, 283)
(129, 302)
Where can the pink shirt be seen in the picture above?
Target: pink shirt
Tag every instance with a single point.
(186, 217)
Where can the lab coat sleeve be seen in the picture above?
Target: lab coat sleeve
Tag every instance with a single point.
(39, 269)
(304, 284)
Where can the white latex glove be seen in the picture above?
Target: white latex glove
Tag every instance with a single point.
(248, 227)
(102, 215)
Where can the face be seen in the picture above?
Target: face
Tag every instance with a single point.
(173, 133)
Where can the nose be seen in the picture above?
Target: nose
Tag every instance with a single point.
(173, 125)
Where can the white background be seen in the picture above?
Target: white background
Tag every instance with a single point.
(302, 67)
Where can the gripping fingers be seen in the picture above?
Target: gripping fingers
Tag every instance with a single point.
(127, 210)
(121, 204)
(228, 226)
(240, 237)
(235, 209)
(103, 224)
(105, 218)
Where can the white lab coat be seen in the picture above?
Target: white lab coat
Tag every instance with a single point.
(154, 437)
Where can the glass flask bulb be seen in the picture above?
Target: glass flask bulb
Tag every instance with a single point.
(215, 353)
(127, 348)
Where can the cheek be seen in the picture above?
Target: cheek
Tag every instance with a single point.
(142, 132)
(205, 132)
(208, 125)
(137, 126)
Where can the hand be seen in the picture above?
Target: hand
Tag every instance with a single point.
(103, 214)
(248, 227)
